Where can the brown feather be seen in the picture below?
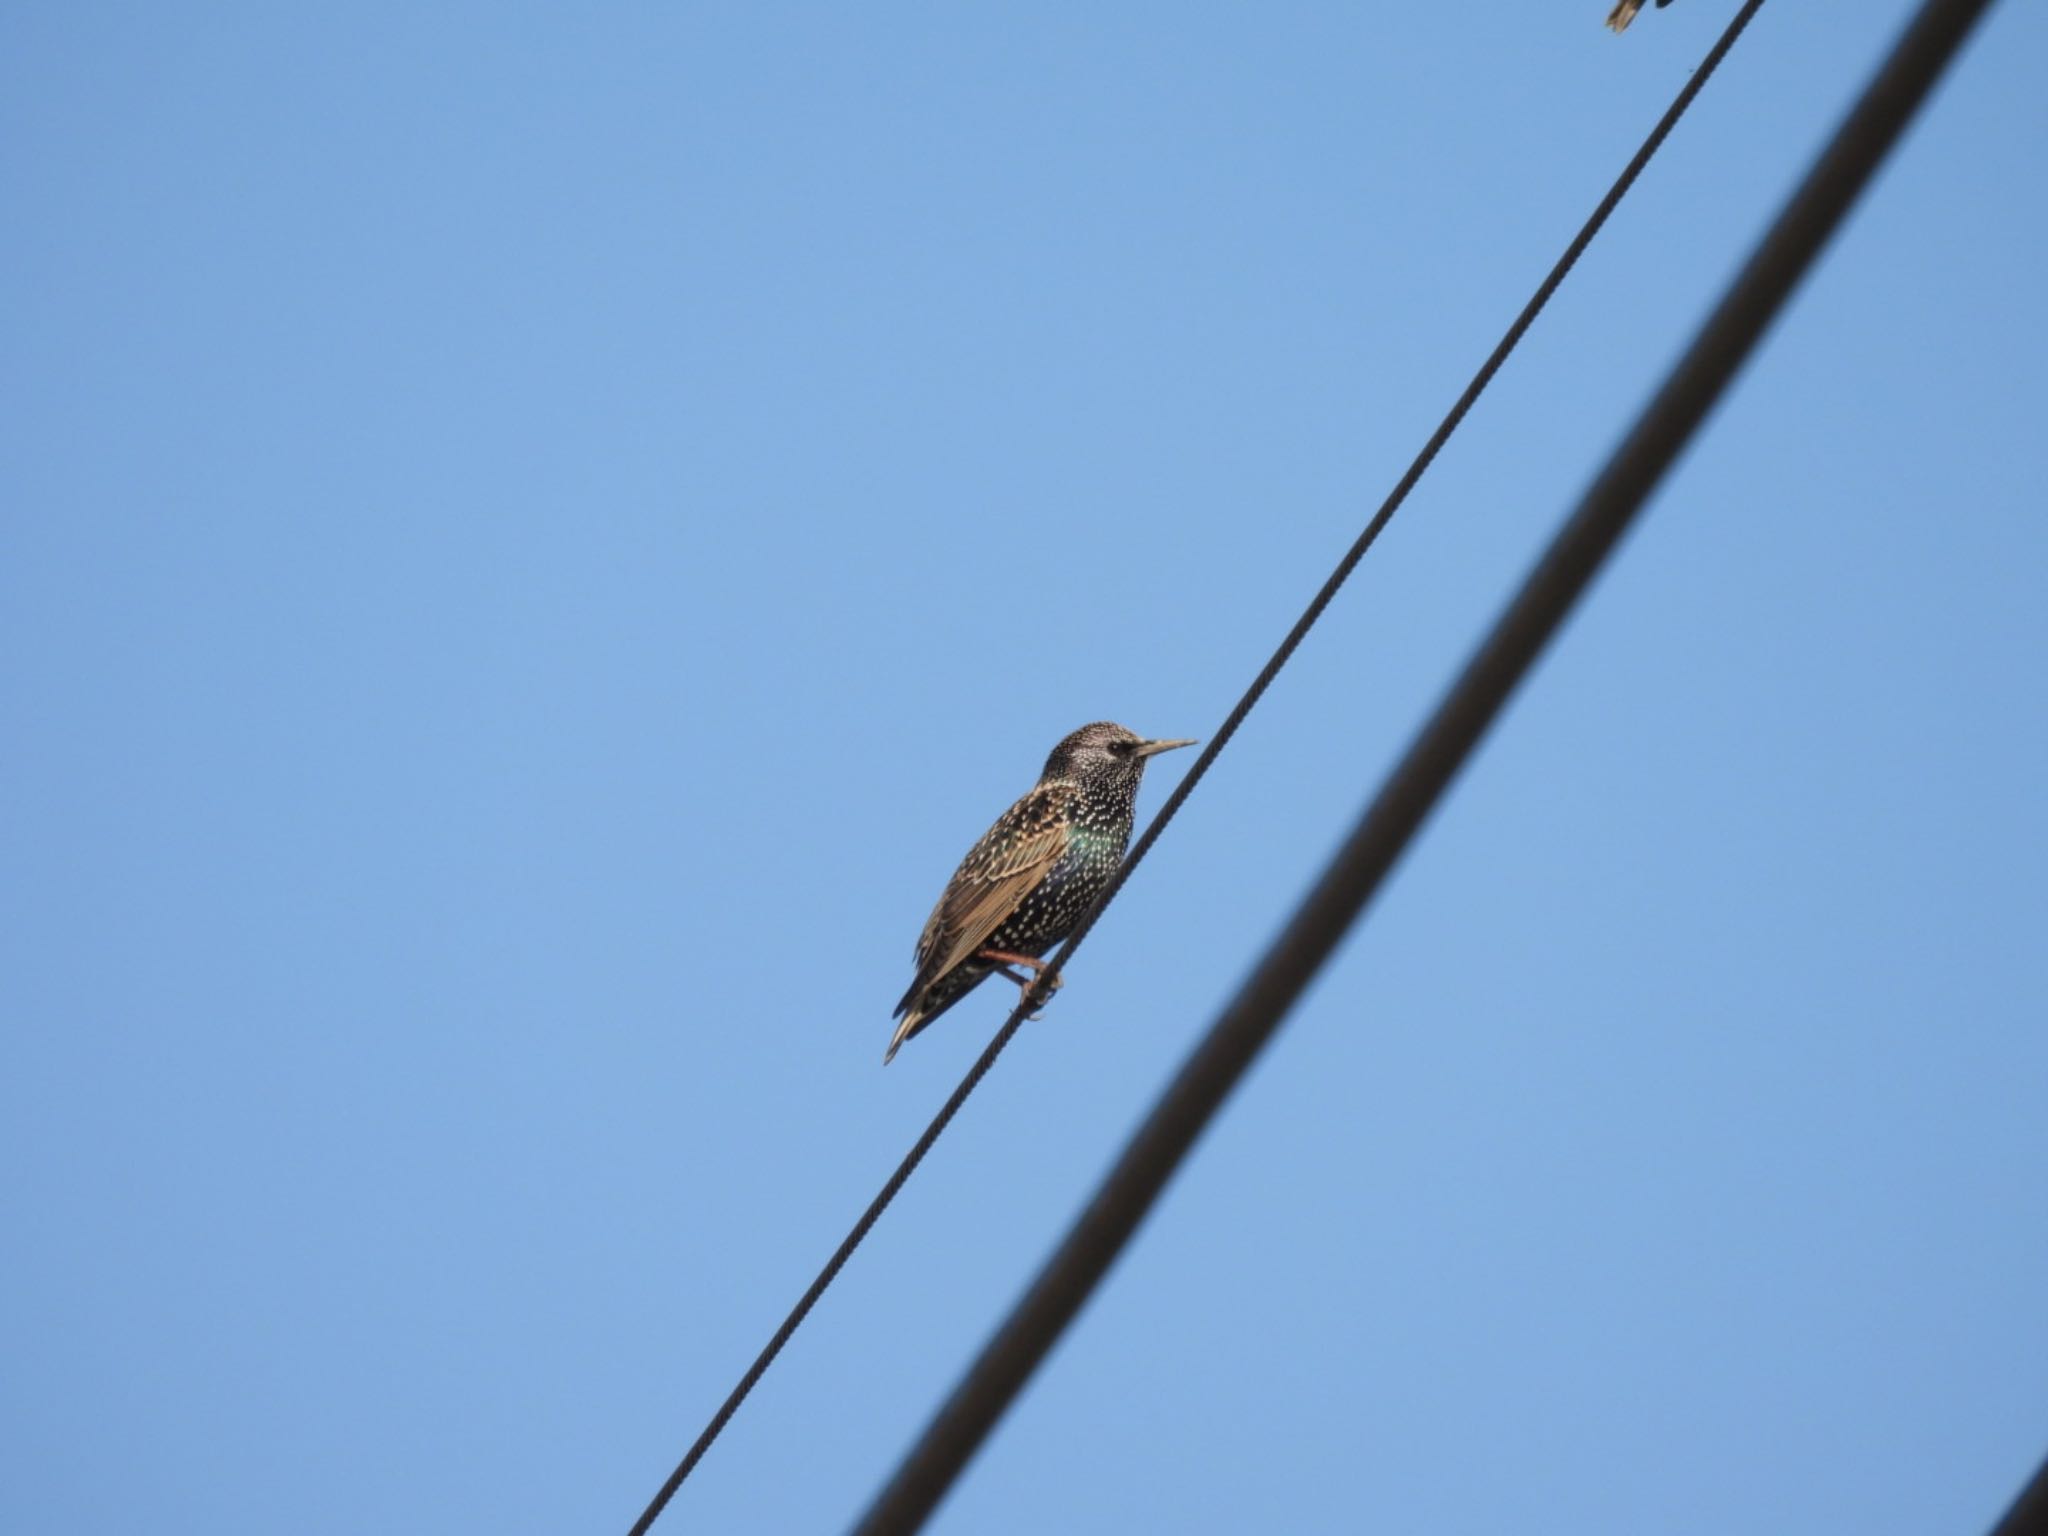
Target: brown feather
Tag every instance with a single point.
(1001, 870)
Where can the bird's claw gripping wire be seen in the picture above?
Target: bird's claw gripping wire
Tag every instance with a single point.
(1004, 959)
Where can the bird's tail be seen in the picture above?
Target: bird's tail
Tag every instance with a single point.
(1624, 13)
(926, 1000)
(911, 1022)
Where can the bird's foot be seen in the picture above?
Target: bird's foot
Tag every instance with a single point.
(1003, 959)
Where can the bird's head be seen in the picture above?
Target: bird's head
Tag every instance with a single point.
(1104, 752)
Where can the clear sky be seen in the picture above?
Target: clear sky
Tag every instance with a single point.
(535, 536)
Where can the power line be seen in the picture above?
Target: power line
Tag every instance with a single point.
(1412, 790)
(1030, 1000)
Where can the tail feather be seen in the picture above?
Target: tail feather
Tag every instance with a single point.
(1624, 13)
(912, 1021)
(927, 1000)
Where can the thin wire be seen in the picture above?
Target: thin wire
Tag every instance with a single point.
(1399, 494)
(1030, 1000)
(1586, 540)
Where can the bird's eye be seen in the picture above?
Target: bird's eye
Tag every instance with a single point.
(1120, 748)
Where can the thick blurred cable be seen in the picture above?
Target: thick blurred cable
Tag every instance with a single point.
(1546, 598)
(2029, 1513)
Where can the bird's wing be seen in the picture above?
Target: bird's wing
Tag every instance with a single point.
(1012, 857)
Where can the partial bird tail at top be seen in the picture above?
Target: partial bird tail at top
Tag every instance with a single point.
(1624, 13)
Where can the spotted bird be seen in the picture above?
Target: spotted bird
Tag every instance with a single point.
(1024, 885)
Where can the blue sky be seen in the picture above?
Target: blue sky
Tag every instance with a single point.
(534, 537)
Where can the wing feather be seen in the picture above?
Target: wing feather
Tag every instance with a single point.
(1000, 870)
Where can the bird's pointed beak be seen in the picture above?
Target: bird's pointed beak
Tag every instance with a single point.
(1154, 748)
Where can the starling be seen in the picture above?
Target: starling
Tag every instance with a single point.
(1625, 12)
(1024, 886)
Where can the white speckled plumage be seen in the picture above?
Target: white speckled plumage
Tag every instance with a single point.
(1025, 883)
